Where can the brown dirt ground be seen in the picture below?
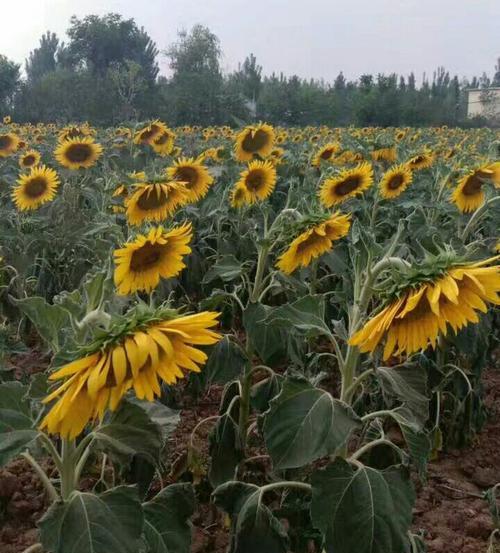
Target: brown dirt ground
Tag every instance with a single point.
(449, 510)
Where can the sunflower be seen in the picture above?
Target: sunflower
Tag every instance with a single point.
(349, 183)
(78, 153)
(395, 181)
(149, 133)
(140, 264)
(154, 202)
(384, 154)
(29, 159)
(193, 175)
(239, 196)
(7, 120)
(254, 140)
(314, 242)
(419, 313)
(325, 153)
(421, 161)
(163, 144)
(258, 179)
(8, 144)
(469, 194)
(35, 188)
(139, 358)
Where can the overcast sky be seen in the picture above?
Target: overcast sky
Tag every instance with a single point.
(310, 38)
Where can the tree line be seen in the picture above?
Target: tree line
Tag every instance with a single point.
(107, 72)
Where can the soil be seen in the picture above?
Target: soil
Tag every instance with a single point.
(450, 512)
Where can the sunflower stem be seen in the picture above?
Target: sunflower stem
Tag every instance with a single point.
(68, 468)
(477, 216)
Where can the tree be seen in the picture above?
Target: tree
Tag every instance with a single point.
(9, 81)
(97, 43)
(197, 81)
(496, 76)
(43, 60)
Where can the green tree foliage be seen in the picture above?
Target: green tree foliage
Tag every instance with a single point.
(43, 60)
(9, 81)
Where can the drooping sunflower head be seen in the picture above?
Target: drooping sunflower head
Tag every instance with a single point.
(239, 196)
(469, 194)
(149, 133)
(78, 153)
(139, 352)
(315, 237)
(325, 154)
(395, 181)
(421, 161)
(349, 183)
(429, 301)
(384, 154)
(154, 201)
(163, 144)
(254, 140)
(35, 188)
(193, 175)
(258, 179)
(9, 143)
(29, 159)
(142, 262)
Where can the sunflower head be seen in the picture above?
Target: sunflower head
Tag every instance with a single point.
(142, 262)
(29, 159)
(78, 153)
(395, 181)
(9, 143)
(258, 180)
(140, 351)
(193, 175)
(469, 194)
(421, 161)
(326, 153)
(163, 144)
(254, 140)
(155, 201)
(149, 133)
(349, 183)
(35, 188)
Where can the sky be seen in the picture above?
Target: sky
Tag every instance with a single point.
(309, 38)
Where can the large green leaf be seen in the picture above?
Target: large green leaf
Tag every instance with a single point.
(226, 362)
(306, 315)
(52, 322)
(89, 523)
(17, 430)
(130, 432)
(227, 268)
(267, 340)
(225, 450)
(305, 423)
(254, 527)
(166, 520)
(362, 509)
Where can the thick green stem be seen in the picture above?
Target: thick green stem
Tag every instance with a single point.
(476, 217)
(68, 468)
(259, 275)
(381, 441)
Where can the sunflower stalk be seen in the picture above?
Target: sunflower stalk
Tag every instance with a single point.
(477, 216)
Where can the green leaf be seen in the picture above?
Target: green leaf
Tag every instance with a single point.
(305, 423)
(226, 362)
(130, 432)
(306, 315)
(254, 527)
(419, 447)
(225, 450)
(167, 419)
(166, 520)
(89, 523)
(267, 340)
(227, 268)
(408, 383)
(50, 320)
(264, 391)
(362, 509)
(17, 430)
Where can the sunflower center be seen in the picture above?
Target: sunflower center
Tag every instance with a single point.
(348, 185)
(187, 175)
(254, 180)
(77, 153)
(395, 182)
(151, 200)
(29, 160)
(5, 142)
(326, 154)
(256, 142)
(472, 186)
(149, 133)
(162, 139)
(146, 257)
(417, 160)
(35, 187)
(310, 242)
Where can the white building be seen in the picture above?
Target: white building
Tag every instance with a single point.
(484, 102)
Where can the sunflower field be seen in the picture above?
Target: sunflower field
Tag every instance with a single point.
(328, 293)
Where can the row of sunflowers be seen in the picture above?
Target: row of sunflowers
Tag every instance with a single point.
(332, 284)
